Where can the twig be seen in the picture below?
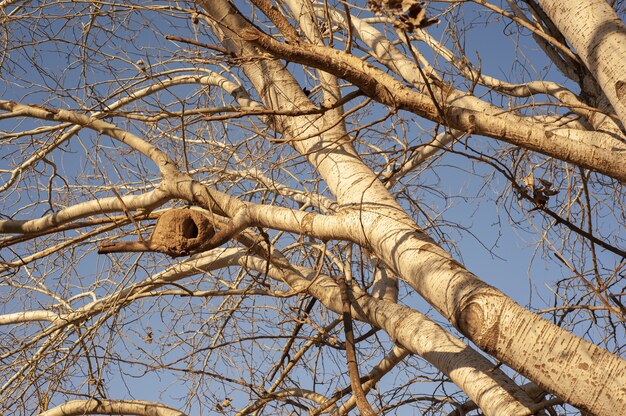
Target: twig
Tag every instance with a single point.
(200, 44)
(353, 369)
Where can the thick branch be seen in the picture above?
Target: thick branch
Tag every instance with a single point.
(147, 201)
(416, 332)
(387, 90)
(278, 18)
(112, 407)
(599, 36)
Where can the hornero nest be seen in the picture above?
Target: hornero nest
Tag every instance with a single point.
(180, 232)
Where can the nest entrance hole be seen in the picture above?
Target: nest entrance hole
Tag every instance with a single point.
(189, 228)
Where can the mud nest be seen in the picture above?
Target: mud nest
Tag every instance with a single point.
(179, 232)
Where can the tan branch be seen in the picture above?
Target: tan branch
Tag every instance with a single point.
(162, 161)
(278, 18)
(112, 407)
(395, 356)
(147, 201)
(353, 368)
(389, 91)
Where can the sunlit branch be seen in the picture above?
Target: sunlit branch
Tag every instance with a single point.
(369, 380)
(388, 315)
(212, 79)
(387, 90)
(112, 407)
(164, 163)
(272, 185)
(4, 266)
(304, 13)
(148, 201)
(422, 154)
(28, 316)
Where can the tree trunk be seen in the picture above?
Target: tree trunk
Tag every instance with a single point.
(599, 37)
(528, 343)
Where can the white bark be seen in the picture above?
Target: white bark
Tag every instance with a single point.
(481, 312)
(365, 212)
(353, 183)
(485, 384)
(599, 37)
(112, 407)
(387, 54)
(163, 163)
(27, 316)
(387, 90)
(149, 201)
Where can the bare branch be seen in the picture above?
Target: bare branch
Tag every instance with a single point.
(112, 407)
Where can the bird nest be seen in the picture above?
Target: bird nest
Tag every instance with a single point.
(180, 232)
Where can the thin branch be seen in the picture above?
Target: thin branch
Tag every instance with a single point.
(353, 368)
(387, 90)
(278, 18)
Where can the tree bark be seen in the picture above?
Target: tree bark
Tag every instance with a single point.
(599, 37)
(112, 407)
(528, 343)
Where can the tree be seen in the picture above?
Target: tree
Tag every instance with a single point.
(233, 207)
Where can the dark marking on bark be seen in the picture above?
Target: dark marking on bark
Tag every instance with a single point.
(583, 366)
(472, 321)
(307, 224)
(50, 112)
(549, 134)
(454, 265)
(426, 247)
(620, 91)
